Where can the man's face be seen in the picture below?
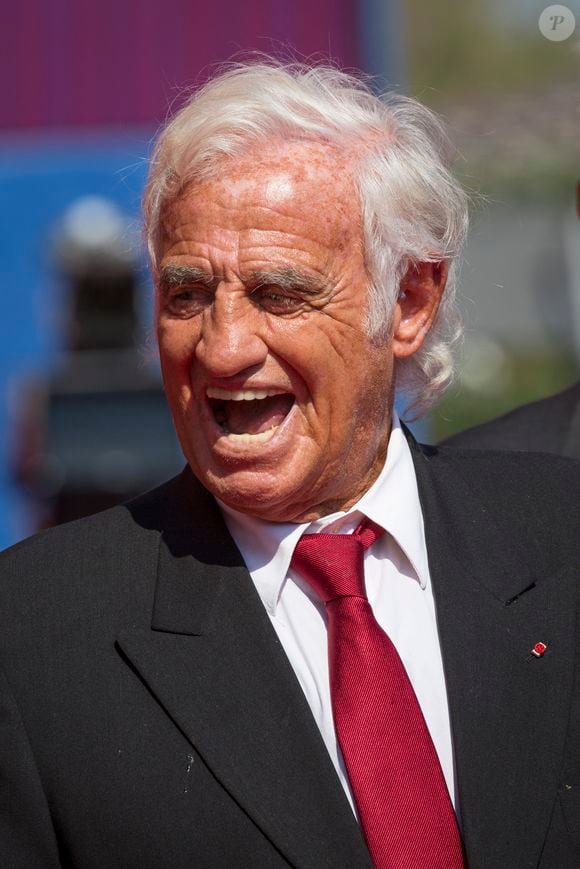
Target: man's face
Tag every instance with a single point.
(280, 400)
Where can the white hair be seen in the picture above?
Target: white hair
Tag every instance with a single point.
(413, 210)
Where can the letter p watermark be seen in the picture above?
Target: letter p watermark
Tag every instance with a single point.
(557, 23)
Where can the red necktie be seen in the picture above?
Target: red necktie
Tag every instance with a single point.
(393, 768)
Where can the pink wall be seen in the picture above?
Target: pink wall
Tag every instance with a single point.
(108, 62)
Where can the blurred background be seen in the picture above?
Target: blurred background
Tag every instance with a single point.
(83, 422)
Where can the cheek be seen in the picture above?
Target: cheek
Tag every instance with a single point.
(342, 369)
(325, 354)
(176, 364)
(176, 343)
(363, 389)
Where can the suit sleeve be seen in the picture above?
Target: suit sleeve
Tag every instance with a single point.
(27, 837)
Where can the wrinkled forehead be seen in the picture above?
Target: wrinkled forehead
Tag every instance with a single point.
(283, 176)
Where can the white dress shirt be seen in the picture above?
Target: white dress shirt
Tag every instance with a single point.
(398, 588)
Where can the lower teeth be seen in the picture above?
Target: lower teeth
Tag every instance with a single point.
(251, 438)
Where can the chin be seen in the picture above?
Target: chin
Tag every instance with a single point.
(254, 493)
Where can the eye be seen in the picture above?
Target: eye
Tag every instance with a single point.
(276, 301)
(187, 302)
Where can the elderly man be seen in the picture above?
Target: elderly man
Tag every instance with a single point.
(321, 645)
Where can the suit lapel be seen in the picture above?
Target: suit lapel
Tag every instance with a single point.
(508, 709)
(214, 662)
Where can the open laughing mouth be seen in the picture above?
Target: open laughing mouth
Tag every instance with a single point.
(249, 415)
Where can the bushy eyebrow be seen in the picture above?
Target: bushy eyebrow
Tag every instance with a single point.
(286, 278)
(179, 276)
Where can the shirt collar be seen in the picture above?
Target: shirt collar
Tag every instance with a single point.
(391, 502)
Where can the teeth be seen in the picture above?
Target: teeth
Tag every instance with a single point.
(239, 394)
(252, 438)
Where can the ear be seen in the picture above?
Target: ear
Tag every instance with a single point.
(420, 294)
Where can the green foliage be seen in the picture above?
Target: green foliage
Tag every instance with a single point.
(461, 49)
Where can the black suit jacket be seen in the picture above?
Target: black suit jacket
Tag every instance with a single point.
(551, 425)
(149, 717)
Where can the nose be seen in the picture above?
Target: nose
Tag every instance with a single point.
(230, 340)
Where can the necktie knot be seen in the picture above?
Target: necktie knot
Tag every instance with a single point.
(333, 564)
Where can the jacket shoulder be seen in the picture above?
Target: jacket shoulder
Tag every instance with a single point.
(512, 474)
(84, 571)
(89, 537)
(532, 497)
(98, 532)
